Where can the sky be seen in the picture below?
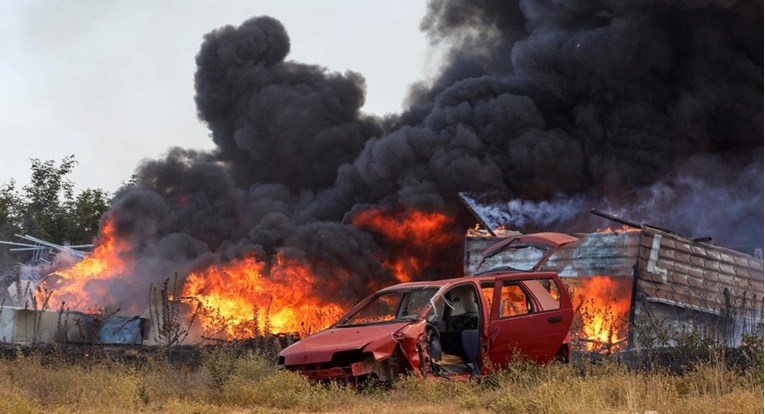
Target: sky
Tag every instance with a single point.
(112, 82)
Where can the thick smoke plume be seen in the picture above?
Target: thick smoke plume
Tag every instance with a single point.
(545, 102)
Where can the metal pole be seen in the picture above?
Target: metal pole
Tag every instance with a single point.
(475, 214)
(616, 219)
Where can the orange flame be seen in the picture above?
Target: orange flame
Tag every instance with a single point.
(403, 268)
(411, 226)
(422, 233)
(602, 304)
(241, 298)
(234, 295)
(623, 228)
(78, 285)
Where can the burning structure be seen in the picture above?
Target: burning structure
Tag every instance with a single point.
(633, 285)
(26, 316)
(307, 204)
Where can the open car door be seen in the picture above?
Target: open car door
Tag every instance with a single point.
(531, 314)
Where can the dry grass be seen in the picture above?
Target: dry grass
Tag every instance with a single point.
(249, 384)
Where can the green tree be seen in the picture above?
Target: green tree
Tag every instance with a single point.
(46, 197)
(48, 207)
(85, 213)
(10, 204)
(10, 223)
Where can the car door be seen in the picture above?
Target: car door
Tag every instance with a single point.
(531, 314)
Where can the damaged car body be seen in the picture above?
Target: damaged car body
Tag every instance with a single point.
(456, 328)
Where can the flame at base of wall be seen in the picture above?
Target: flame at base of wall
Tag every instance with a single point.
(601, 312)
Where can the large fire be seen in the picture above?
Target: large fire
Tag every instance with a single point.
(80, 285)
(244, 297)
(602, 306)
(287, 296)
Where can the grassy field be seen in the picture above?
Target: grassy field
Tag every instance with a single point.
(222, 383)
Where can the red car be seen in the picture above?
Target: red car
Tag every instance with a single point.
(457, 328)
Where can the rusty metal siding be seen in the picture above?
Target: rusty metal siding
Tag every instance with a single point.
(692, 285)
(609, 254)
(695, 274)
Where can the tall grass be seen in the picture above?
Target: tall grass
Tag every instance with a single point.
(228, 380)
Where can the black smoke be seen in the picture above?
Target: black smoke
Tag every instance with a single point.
(277, 121)
(535, 101)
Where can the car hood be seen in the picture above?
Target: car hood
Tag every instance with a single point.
(321, 346)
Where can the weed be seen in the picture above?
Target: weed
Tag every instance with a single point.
(166, 316)
(237, 379)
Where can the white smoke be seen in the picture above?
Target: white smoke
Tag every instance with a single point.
(703, 198)
(519, 214)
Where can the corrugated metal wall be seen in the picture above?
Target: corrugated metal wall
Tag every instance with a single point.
(692, 286)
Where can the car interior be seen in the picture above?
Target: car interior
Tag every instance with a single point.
(454, 341)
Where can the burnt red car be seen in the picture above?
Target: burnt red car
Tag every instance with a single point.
(457, 328)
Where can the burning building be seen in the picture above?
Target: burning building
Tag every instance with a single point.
(645, 286)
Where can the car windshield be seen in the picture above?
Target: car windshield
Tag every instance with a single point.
(516, 256)
(391, 306)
